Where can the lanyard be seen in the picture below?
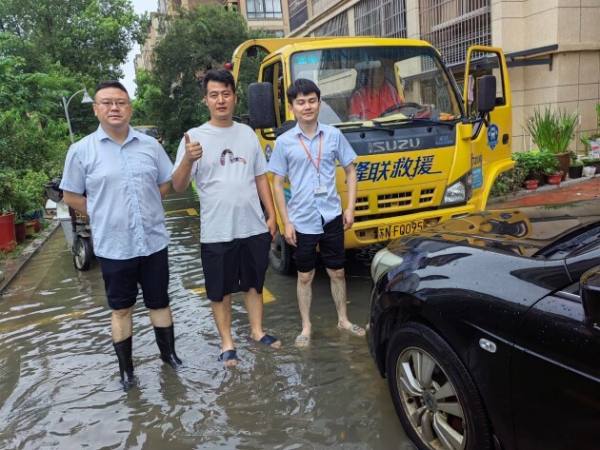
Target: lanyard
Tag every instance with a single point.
(318, 164)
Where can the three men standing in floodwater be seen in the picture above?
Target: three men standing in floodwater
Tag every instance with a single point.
(117, 165)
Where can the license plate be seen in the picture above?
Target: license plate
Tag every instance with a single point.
(397, 230)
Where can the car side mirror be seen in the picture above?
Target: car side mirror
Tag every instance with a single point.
(261, 106)
(589, 286)
(486, 93)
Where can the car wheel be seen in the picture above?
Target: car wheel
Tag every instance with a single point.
(280, 256)
(434, 395)
(82, 253)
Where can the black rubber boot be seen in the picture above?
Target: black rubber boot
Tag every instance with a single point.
(165, 338)
(123, 351)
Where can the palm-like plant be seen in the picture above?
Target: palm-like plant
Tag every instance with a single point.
(552, 130)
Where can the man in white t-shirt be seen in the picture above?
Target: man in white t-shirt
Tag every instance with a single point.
(229, 168)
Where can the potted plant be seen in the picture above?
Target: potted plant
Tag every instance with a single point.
(7, 215)
(575, 168)
(553, 176)
(552, 131)
(531, 184)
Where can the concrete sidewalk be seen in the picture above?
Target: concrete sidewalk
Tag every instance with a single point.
(568, 191)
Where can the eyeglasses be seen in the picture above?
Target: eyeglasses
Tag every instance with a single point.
(107, 103)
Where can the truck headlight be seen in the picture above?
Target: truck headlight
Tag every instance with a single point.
(382, 262)
(459, 192)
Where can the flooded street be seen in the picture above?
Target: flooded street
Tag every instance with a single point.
(59, 382)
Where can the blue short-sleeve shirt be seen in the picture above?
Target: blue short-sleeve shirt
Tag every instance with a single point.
(306, 210)
(121, 182)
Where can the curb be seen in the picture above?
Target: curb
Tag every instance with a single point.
(12, 269)
(546, 188)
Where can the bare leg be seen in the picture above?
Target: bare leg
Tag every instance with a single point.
(161, 317)
(338, 292)
(304, 292)
(222, 314)
(121, 323)
(254, 306)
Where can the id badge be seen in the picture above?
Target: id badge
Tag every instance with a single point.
(320, 190)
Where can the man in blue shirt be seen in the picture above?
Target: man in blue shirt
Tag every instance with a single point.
(118, 176)
(307, 155)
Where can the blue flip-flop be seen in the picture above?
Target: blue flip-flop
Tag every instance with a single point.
(228, 355)
(267, 340)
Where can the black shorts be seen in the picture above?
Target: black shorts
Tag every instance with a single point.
(235, 266)
(331, 247)
(121, 278)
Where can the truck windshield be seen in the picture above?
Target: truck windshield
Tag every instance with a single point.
(364, 83)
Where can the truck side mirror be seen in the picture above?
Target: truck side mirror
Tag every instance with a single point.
(261, 105)
(486, 93)
(589, 290)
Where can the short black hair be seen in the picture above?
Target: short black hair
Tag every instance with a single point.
(111, 84)
(304, 87)
(220, 76)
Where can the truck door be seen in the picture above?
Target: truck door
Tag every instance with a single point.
(272, 72)
(491, 146)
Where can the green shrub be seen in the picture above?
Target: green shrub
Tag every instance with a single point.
(508, 182)
(552, 130)
(535, 163)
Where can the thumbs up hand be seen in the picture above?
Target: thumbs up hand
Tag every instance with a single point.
(193, 150)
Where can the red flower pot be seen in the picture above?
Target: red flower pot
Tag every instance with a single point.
(531, 184)
(554, 178)
(8, 240)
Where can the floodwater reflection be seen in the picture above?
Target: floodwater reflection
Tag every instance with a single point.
(59, 382)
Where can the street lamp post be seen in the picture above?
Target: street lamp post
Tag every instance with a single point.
(86, 99)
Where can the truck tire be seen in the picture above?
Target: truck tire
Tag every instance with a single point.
(280, 256)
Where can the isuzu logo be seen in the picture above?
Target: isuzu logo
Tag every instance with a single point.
(394, 145)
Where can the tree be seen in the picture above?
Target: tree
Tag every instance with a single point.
(195, 41)
(90, 37)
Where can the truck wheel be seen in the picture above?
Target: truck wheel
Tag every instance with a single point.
(280, 256)
(82, 253)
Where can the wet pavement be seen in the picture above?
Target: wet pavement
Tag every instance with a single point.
(59, 384)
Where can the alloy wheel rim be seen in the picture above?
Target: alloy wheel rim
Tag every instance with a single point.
(430, 401)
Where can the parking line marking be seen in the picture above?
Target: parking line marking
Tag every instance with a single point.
(199, 290)
(268, 297)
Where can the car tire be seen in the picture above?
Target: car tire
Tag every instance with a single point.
(280, 256)
(82, 253)
(433, 393)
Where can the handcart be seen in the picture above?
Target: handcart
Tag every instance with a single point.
(75, 226)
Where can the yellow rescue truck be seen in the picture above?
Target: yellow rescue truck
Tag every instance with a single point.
(427, 152)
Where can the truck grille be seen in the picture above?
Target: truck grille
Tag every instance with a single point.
(394, 203)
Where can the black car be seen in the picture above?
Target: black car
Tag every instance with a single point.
(488, 329)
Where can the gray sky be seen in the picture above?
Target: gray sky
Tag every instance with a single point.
(140, 6)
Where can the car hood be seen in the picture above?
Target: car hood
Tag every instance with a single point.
(522, 231)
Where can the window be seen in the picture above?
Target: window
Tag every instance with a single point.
(263, 9)
(385, 18)
(298, 13)
(274, 75)
(413, 74)
(452, 26)
(337, 26)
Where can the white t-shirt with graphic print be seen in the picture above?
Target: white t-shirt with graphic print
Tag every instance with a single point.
(225, 179)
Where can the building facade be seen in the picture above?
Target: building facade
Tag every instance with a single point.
(553, 46)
